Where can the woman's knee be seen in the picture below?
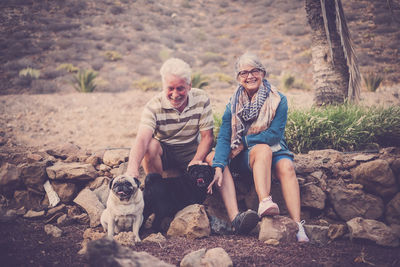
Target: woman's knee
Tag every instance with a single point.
(284, 169)
(260, 152)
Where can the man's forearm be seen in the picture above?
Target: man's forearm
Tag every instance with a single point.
(204, 148)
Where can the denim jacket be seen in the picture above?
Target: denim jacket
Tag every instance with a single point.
(271, 136)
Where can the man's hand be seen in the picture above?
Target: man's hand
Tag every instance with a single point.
(217, 179)
(196, 162)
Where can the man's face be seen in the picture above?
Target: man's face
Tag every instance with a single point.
(176, 90)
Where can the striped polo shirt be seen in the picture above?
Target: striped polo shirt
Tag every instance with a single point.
(172, 127)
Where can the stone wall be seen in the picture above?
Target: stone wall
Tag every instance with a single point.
(340, 192)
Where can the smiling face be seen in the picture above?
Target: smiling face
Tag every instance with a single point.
(176, 90)
(250, 78)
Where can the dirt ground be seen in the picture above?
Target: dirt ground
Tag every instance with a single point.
(24, 243)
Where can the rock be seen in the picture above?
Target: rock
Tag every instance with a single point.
(89, 201)
(125, 238)
(31, 214)
(27, 199)
(105, 252)
(349, 204)
(364, 157)
(114, 157)
(71, 171)
(280, 228)
(372, 230)
(93, 160)
(9, 178)
(63, 220)
(65, 150)
(193, 258)
(155, 238)
(217, 257)
(271, 242)
(377, 177)
(52, 230)
(89, 235)
(191, 222)
(7, 216)
(65, 191)
(202, 257)
(393, 210)
(317, 234)
(121, 169)
(336, 231)
(313, 197)
(102, 193)
(99, 181)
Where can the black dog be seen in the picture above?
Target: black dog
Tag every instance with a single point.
(166, 196)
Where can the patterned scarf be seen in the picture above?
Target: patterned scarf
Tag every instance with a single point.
(252, 116)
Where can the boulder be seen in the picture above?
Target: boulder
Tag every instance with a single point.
(88, 200)
(377, 177)
(373, 230)
(9, 178)
(392, 213)
(114, 157)
(317, 234)
(191, 222)
(52, 230)
(202, 257)
(155, 238)
(74, 171)
(312, 196)
(64, 151)
(65, 191)
(34, 175)
(280, 228)
(349, 204)
(105, 252)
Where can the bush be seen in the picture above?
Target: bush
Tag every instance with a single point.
(199, 80)
(113, 55)
(83, 81)
(344, 128)
(145, 84)
(68, 67)
(372, 82)
(29, 73)
(288, 81)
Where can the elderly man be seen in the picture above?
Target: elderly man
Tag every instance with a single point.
(171, 124)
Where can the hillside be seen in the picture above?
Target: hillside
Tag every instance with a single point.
(126, 41)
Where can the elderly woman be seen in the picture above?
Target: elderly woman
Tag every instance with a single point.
(251, 139)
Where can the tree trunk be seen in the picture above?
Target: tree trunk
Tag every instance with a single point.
(330, 70)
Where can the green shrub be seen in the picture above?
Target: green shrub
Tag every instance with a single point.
(222, 77)
(145, 84)
(217, 125)
(113, 55)
(372, 82)
(344, 128)
(29, 73)
(68, 67)
(199, 80)
(288, 81)
(83, 81)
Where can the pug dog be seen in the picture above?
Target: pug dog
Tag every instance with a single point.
(125, 204)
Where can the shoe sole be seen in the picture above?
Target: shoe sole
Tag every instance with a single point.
(270, 212)
(248, 223)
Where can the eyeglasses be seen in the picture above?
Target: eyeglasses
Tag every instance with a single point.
(245, 73)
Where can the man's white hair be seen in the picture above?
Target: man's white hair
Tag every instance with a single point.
(177, 67)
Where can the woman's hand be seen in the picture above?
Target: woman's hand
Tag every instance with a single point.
(217, 178)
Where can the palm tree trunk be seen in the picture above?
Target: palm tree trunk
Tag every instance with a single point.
(330, 69)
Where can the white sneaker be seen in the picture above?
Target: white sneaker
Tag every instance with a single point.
(267, 207)
(301, 234)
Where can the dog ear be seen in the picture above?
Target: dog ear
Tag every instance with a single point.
(110, 184)
(137, 181)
